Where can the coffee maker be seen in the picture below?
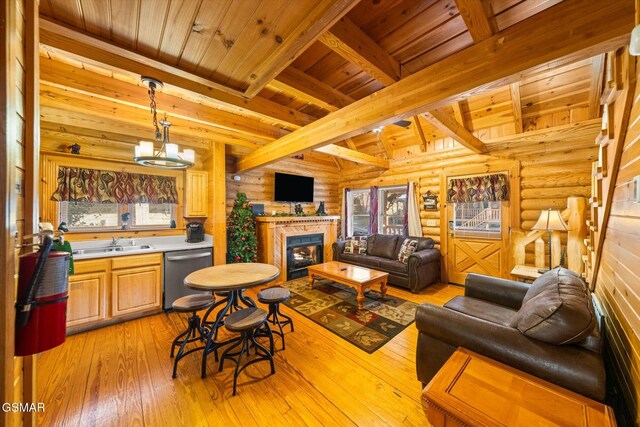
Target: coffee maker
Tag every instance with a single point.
(195, 232)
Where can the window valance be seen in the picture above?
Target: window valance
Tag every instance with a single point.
(96, 186)
(481, 188)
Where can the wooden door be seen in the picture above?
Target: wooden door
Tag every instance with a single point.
(135, 290)
(87, 298)
(477, 252)
(196, 194)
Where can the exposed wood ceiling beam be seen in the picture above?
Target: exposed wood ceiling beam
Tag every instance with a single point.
(354, 45)
(311, 90)
(338, 161)
(419, 133)
(321, 18)
(351, 144)
(354, 156)
(478, 17)
(516, 106)
(584, 130)
(564, 33)
(79, 80)
(597, 82)
(86, 46)
(457, 112)
(386, 144)
(450, 127)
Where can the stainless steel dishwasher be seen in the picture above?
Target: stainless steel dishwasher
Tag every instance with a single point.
(177, 266)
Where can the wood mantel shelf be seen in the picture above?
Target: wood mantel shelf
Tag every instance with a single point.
(273, 232)
(297, 218)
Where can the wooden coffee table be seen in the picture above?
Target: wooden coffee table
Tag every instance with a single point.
(361, 278)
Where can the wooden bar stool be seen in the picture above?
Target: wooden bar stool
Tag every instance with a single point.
(247, 322)
(274, 296)
(195, 330)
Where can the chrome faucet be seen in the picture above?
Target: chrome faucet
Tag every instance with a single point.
(114, 241)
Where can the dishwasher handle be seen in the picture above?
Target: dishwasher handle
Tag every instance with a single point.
(183, 257)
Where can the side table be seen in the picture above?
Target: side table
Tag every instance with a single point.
(471, 390)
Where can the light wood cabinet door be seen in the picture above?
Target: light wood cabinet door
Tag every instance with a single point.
(135, 290)
(196, 194)
(87, 298)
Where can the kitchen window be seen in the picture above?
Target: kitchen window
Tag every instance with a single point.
(84, 216)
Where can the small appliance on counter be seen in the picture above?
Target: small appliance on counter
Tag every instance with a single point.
(195, 232)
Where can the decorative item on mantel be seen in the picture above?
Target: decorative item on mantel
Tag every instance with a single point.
(298, 209)
(321, 211)
(75, 148)
(168, 156)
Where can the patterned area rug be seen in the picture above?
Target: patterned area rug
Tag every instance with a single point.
(334, 306)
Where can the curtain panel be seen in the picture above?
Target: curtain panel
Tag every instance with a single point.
(96, 186)
(481, 188)
(373, 211)
(413, 226)
(345, 213)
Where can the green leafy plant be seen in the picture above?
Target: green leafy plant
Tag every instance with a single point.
(242, 242)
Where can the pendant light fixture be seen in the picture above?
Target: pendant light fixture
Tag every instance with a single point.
(169, 155)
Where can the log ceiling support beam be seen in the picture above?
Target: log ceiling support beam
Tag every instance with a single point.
(354, 156)
(597, 83)
(386, 144)
(86, 46)
(354, 45)
(419, 134)
(516, 106)
(312, 26)
(562, 34)
(310, 90)
(450, 127)
(351, 144)
(478, 17)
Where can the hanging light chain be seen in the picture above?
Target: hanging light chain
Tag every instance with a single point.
(152, 104)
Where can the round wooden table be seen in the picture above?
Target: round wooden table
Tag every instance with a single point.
(232, 278)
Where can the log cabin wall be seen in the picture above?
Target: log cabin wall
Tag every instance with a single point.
(258, 184)
(551, 171)
(618, 278)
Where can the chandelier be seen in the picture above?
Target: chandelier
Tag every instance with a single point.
(169, 155)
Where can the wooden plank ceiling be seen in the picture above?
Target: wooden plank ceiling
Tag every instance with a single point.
(250, 72)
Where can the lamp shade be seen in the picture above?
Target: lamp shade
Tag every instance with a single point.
(634, 44)
(550, 220)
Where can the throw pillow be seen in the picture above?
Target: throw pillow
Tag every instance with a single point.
(408, 247)
(356, 245)
(557, 309)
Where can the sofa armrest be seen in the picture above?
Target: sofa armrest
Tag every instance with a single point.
(568, 366)
(424, 256)
(498, 291)
(338, 248)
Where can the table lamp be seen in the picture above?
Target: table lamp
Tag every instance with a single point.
(550, 220)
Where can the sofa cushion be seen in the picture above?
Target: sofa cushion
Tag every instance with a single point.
(557, 309)
(485, 310)
(423, 243)
(383, 245)
(363, 260)
(407, 248)
(391, 265)
(356, 245)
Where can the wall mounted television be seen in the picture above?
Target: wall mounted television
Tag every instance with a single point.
(292, 188)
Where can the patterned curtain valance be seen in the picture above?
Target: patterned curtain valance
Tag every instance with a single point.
(478, 188)
(96, 186)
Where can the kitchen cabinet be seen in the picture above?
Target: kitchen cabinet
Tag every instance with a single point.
(106, 290)
(196, 193)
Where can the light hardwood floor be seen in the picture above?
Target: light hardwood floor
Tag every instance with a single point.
(121, 375)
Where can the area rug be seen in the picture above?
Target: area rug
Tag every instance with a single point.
(334, 306)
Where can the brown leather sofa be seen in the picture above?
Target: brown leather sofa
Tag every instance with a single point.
(549, 329)
(421, 270)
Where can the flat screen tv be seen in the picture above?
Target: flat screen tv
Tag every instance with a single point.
(293, 188)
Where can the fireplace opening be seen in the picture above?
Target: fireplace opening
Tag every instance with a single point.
(303, 251)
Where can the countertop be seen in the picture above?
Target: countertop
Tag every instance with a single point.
(158, 244)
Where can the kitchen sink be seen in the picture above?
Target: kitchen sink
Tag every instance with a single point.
(110, 249)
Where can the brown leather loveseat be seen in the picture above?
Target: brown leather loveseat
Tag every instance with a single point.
(422, 267)
(549, 329)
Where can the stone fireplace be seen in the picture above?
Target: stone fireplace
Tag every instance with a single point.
(291, 242)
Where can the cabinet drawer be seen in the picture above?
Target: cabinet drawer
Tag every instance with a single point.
(136, 261)
(90, 266)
